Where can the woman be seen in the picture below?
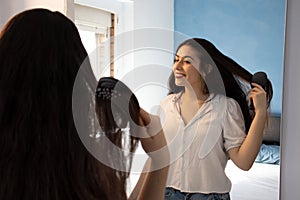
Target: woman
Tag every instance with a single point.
(207, 121)
(42, 156)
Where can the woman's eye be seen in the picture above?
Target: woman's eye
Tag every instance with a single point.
(176, 60)
(187, 62)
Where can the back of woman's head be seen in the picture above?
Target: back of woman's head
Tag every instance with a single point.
(42, 156)
(226, 76)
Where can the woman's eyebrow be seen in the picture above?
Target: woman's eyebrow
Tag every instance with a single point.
(184, 56)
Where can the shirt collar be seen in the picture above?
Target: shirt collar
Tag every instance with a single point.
(178, 95)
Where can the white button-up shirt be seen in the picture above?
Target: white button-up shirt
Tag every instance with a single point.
(198, 149)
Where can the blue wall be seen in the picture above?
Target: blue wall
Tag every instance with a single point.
(250, 32)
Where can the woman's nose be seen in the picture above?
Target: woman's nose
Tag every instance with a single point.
(178, 65)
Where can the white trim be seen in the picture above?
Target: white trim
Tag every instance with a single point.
(93, 27)
(90, 16)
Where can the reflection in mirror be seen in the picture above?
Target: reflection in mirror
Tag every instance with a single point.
(251, 33)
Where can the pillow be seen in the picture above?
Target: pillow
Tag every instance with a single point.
(269, 154)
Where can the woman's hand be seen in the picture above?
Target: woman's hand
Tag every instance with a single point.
(153, 140)
(259, 98)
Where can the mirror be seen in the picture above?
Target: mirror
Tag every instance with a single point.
(250, 32)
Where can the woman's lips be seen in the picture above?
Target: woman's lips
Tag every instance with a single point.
(178, 75)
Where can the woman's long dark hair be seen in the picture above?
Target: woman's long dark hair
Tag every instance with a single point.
(117, 110)
(233, 75)
(41, 154)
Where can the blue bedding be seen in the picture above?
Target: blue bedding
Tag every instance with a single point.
(269, 154)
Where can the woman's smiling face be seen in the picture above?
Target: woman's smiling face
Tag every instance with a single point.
(186, 67)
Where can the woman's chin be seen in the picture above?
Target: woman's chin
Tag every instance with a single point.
(180, 82)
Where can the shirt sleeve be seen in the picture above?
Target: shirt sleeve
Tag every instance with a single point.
(234, 125)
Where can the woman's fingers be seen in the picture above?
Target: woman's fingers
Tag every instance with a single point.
(151, 123)
(154, 138)
(145, 116)
(258, 96)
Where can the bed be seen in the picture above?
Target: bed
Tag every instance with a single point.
(262, 180)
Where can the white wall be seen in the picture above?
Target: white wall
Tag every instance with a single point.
(153, 44)
(290, 146)
(9, 8)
